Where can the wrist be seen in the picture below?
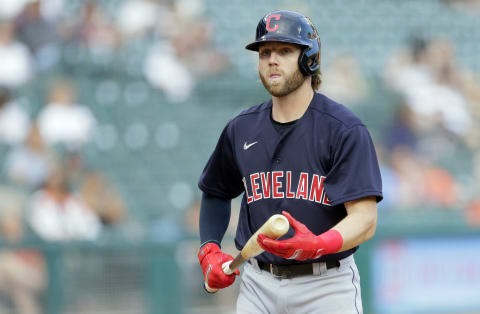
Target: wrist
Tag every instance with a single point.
(210, 242)
(207, 249)
(332, 241)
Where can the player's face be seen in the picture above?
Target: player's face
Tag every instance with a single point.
(278, 68)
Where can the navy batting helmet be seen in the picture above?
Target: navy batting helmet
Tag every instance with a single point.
(291, 27)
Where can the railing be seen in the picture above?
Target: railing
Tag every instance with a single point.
(111, 277)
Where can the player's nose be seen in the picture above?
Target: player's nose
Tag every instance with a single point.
(273, 60)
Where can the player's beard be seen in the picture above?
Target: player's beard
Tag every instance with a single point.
(290, 84)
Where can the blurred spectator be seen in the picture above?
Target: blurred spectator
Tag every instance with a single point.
(17, 66)
(192, 39)
(471, 90)
(14, 121)
(473, 186)
(74, 168)
(408, 168)
(420, 184)
(91, 28)
(402, 131)
(345, 82)
(436, 121)
(444, 95)
(408, 68)
(52, 10)
(64, 121)
(29, 163)
(55, 214)
(137, 17)
(473, 213)
(441, 188)
(431, 81)
(22, 271)
(390, 180)
(163, 70)
(39, 34)
(440, 145)
(101, 196)
(11, 8)
(469, 6)
(182, 53)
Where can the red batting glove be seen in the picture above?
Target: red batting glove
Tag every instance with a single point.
(304, 244)
(211, 259)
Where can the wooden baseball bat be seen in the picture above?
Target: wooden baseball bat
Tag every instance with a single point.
(275, 227)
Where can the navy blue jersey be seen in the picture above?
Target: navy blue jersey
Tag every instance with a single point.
(311, 169)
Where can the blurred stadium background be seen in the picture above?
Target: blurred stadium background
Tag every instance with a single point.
(110, 108)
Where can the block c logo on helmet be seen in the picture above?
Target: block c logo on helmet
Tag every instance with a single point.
(268, 20)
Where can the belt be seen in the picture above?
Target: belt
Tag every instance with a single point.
(290, 271)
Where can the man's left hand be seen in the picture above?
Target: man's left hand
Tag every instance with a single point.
(304, 244)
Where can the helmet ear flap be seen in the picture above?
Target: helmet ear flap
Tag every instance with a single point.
(303, 62)
(309, 60)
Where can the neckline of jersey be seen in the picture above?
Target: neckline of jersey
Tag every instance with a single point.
(282, 124)
(290, 123)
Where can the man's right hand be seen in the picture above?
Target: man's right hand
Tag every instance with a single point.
(211, 259)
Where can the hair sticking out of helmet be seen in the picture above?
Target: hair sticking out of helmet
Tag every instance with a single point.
(295, 28)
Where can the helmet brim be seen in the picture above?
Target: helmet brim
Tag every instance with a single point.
(264, 39)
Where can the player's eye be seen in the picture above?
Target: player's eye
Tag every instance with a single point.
(265, 53)
(285, 51)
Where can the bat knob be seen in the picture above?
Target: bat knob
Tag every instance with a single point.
(279, 225)
(210, 290)
(226, 268)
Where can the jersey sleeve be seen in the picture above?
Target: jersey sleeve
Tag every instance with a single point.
(221, 176)
(355, 171)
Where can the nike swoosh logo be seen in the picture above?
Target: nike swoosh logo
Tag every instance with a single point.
(247, 146)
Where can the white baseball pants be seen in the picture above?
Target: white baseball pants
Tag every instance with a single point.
(332, 291)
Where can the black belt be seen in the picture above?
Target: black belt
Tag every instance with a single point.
(289, 271)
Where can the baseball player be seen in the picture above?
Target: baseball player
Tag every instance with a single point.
(300, 154)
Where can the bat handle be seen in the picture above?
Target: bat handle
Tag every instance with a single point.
(226, 270)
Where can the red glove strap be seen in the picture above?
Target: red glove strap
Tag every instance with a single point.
(332, 240)
(207, 249)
